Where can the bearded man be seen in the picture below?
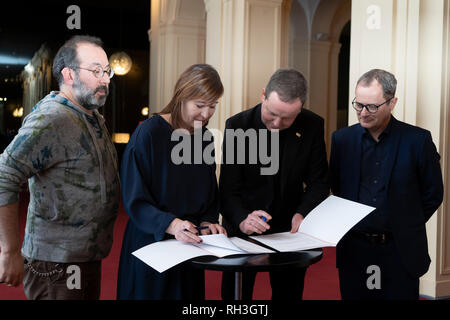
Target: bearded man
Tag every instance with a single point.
(65, 152)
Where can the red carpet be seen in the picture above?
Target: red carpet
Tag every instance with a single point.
(321, 281)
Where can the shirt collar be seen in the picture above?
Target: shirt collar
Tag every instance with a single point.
(63, 100)
(261, 125)
(365, 133)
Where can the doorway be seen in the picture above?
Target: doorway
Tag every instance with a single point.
(343, 78)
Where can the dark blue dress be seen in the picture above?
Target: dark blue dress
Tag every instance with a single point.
(155, 191)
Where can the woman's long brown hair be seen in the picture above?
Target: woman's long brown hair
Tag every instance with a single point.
(198, 82)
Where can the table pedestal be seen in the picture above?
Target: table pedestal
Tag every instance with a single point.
(258, 263)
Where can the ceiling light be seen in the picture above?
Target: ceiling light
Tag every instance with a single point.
(121, 137)
(121, 63)
(18, 112)
(144, 111)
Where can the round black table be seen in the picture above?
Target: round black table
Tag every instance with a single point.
(257, 262)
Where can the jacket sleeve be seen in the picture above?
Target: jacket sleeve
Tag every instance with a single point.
(212, 212)
(316, 179)
(430, 177)
(35, 148)
(136, 176)
(231, 187)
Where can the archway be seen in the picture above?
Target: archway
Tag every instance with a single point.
(316, 28)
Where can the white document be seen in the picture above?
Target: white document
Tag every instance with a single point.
(163, 255)
(324, 226)
(286, 241)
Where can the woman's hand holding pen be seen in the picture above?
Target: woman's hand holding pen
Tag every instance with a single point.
(184, 231)
(212, 228)
(255, 222)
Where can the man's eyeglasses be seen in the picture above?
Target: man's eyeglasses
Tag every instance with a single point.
(372, 108)
(98, 71)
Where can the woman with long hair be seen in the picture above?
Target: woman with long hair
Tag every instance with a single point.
(165, 198)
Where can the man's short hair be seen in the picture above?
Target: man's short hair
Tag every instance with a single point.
(67, 54)
(289, 84)
(385, 79)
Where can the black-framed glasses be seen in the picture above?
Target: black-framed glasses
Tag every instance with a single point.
(371, 108)
(98, 71)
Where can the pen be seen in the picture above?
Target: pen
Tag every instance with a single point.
(199, 228)
(266, 208)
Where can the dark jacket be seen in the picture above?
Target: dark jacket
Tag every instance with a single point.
(414, 185)
(302, 180)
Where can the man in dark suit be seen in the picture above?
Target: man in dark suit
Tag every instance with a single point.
(288, 193)
(394, 167)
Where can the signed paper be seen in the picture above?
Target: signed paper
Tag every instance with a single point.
(323, 227)
(165, 254)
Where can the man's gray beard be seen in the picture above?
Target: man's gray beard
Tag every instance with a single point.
(86, 97)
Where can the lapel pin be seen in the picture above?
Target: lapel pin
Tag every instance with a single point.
(298, 134)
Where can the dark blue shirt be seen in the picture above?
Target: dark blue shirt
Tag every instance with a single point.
(372, 185)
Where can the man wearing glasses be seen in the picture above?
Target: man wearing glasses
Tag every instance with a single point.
(394, 167)
(64, 151)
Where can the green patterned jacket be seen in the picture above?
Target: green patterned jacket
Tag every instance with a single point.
(70, 163)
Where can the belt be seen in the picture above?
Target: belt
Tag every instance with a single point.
(376, 238)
